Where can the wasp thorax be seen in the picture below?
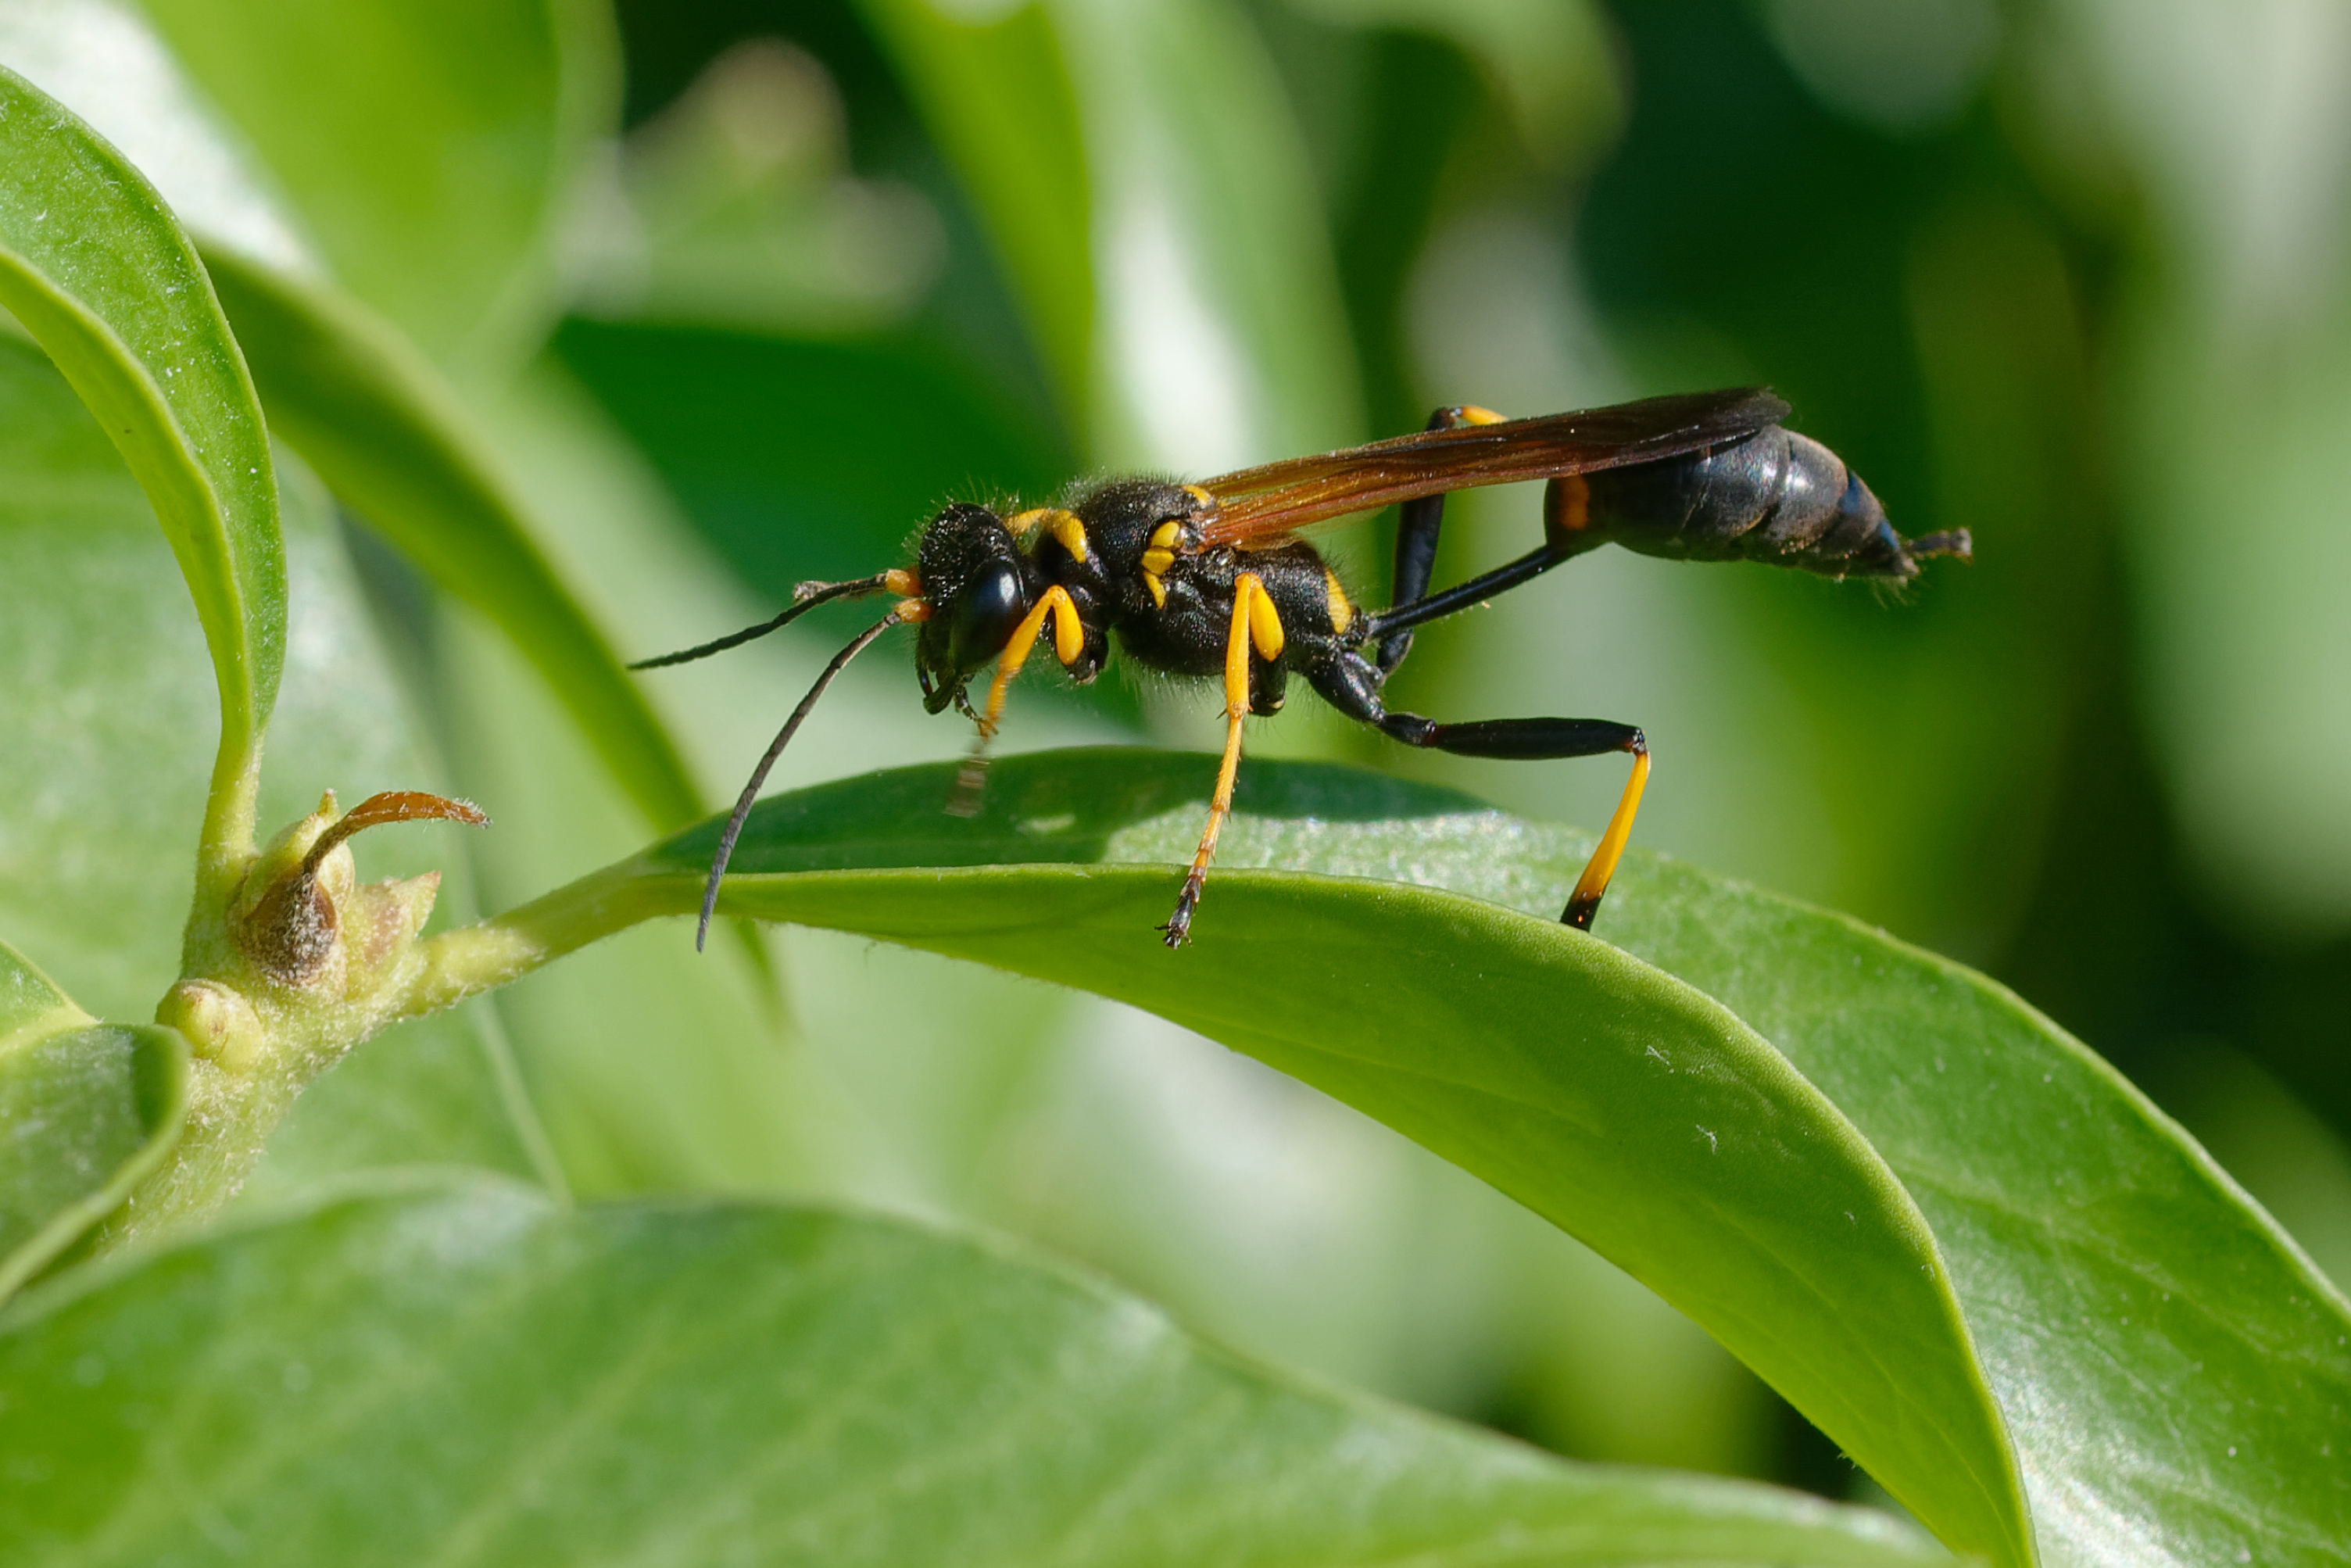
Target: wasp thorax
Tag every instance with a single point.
(978, 585)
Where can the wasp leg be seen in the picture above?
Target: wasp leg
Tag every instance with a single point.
(1068, 646)
(1388, 625)
(1257, 625)
(1418, 524)
(1564, 538)
(1351, 686)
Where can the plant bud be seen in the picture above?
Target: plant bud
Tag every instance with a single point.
(303, 919)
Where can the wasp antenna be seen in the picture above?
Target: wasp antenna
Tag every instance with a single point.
(734, 829)
(805, 598)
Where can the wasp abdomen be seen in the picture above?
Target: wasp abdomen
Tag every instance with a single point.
(1775, 497)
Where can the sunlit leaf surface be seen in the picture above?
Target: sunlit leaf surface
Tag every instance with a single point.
(1139, 168)
(423, 145)
(86, 1110)
(95, 266)
(1631, 1110)
(2088, 1240)
(105, 708)
(468, 1374)
(389, 438)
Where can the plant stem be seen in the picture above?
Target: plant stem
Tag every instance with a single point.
(502, 949)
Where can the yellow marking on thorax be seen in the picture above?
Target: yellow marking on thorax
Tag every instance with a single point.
(1472, 415)
(1158, 558)
(1342, 614)
(1063, 526)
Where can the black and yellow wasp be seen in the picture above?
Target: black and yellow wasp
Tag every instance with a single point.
(1212, 581)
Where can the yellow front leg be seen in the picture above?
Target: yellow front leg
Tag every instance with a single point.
(1256, 624)
(1068, 646)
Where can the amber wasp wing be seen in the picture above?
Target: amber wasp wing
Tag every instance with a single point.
(1278, 499)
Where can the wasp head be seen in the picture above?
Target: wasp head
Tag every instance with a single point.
(978, 586)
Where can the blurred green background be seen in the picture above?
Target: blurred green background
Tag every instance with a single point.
(2067, 272)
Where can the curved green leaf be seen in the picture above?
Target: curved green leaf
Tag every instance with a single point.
(1627, 1107)
(1140, 170)
(30, 1003)
(101, 776)
(97, 269)
(381, 428)
(465, 1372)
(1549, 60)
(2174, 1371)
(86, 1111)
(2138, 1317)
(995, 94)
(427, 146)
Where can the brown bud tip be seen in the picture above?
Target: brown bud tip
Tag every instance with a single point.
(396, 806)
(290, 923)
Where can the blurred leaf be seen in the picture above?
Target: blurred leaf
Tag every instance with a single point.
(1901, 66)
(2137, 1315)
(427, 146)
(439, 1090)
(102, 59)
(30, 1006)
(102, 773)
(738, 208)
(1176, 271)
(1627, 1108)
(387, 436)
(103, 692)
(86, 1111)
(1220, 331)
(654, 1071)
(2234, 465)
(801, 460)
(1548, 59)
(996, 94)
(95, 267)
(466, 1372)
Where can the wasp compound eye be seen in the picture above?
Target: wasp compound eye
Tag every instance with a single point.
(986, 613)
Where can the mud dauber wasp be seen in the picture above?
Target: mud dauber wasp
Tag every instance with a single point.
(1212, 580)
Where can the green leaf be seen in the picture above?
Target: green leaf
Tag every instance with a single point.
(87, 1110)
(2174, 1371)
(996, 95)
(437, 1091)
(2138, 1317)
(1627, 1107)
(466, 1373)
(30, 1005)
(1140, 171)
(98, 272)
(386, 434)
(102, 778)
(1549, 60)
(426, 146)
